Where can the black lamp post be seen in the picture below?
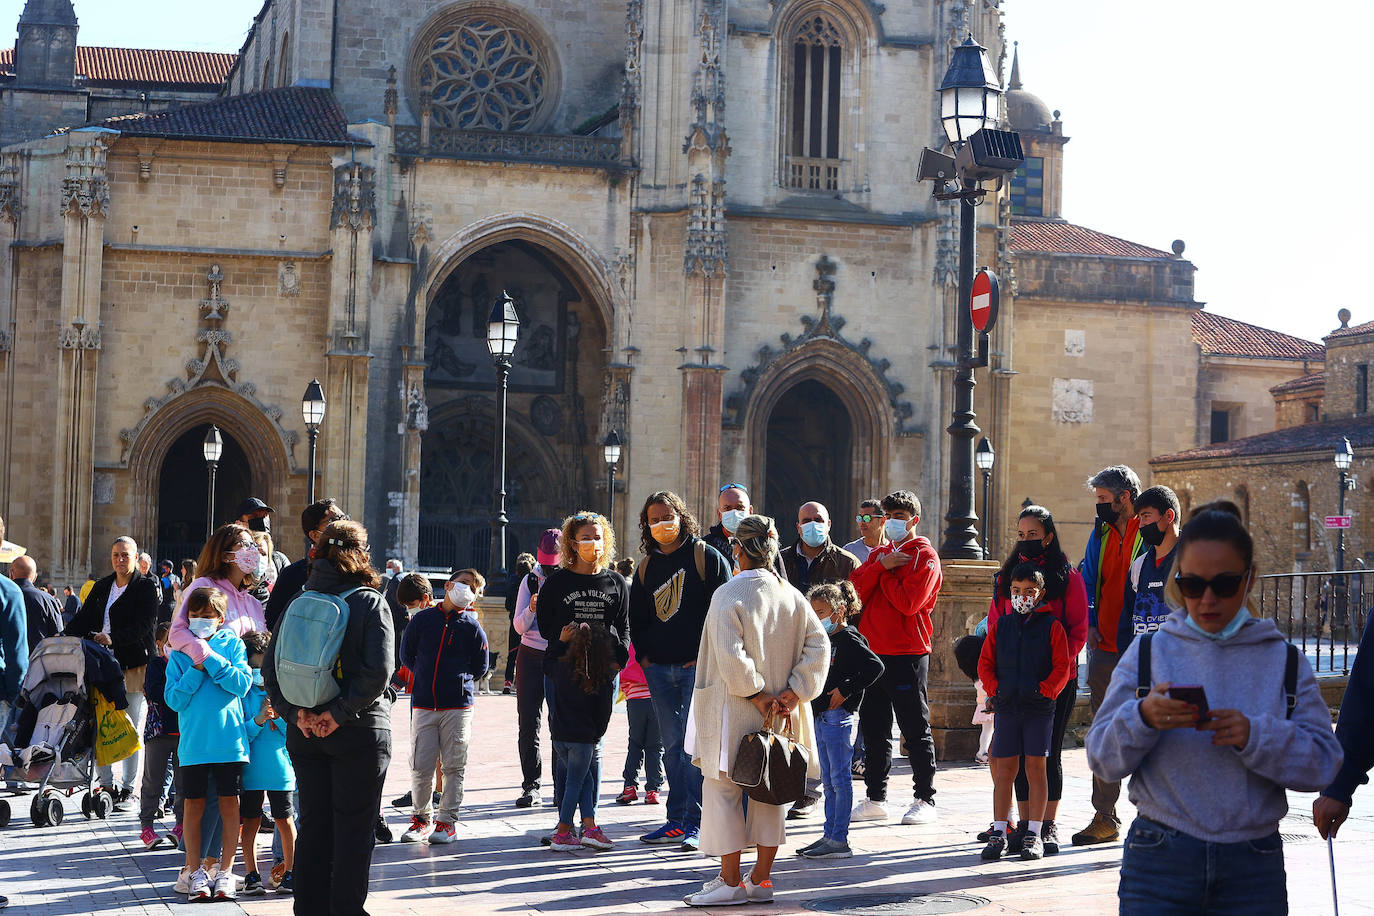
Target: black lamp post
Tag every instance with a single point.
(611, 448)
(503, 330)
(968, 104)
(213, 449)
(312, 409)
(1344, 457)
(984, 458)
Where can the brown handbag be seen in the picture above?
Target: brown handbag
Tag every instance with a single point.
(770, 766)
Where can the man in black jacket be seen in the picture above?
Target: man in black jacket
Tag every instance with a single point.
(314, 519)
(44, 614)
(732, 507)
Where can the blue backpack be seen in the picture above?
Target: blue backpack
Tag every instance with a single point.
(307, 645)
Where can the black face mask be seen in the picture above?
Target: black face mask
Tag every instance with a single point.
(1108, 513)
(1031, 550)
(260, 524)
(1152, 534)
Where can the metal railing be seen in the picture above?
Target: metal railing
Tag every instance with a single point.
(1323, 613)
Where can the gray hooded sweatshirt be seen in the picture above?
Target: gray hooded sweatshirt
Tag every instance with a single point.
(1178, 777)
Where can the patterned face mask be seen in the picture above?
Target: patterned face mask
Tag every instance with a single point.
(1023, 604)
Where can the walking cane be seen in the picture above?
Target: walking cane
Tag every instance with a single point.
(1331, 854)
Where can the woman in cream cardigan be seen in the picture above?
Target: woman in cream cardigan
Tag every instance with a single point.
(762, 651)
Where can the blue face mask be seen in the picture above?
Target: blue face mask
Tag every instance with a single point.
(813, 534)
(203, 627)
(829, 625)
(731, 520)
(257, 677)
(1226, 632)
(895, 529)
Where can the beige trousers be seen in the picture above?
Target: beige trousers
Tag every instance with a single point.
(435, 735)
(727, 828)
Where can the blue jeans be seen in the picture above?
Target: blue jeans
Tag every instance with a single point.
(560, 767)
(671, 688)
(835, 741)
(1165, 872)
(644, 743)
(583, 762)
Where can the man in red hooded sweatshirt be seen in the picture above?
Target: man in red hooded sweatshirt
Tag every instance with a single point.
(898, 585)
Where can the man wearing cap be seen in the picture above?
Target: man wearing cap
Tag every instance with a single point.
(529, 674)
(256, 515)
(732, 507)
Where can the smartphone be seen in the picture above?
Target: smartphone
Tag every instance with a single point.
(1190, 693)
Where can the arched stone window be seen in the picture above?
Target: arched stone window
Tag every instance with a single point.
(284, 67)
(489, 69)
(1302, 528)
(821, 116)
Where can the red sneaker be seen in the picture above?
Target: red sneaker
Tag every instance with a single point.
(651, 797)
(628, 796)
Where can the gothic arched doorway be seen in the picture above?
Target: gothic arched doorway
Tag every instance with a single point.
(183, 491)
(808, 457)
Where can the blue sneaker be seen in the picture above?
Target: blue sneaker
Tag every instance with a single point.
(671, 832)
(691, 839)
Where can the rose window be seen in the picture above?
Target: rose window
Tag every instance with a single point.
(486, 74)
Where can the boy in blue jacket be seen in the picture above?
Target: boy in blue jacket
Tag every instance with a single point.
(208, 698)
(268, 771)
(445, 649)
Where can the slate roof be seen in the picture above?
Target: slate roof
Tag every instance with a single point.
(144, 67)
(1056, 237)
(1222, 336)
(1314, 382)
(296, 114)
(1310, 437)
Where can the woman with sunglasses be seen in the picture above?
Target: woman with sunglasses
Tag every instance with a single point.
(1209, 772)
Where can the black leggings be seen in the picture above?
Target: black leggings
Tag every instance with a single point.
(1054, 769)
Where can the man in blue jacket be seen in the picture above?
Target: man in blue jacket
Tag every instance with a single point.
(1355, 732)
(445, 649)
(14, 642)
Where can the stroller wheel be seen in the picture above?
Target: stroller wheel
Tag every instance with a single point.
(54, 810)
(87, 808)
(4, 814)
(38, 811)
(103, 805)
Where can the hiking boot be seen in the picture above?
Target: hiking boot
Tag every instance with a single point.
(1031, 847)
(997, 844)
(418, 831)
(1049, 837)
(651, 797)
(1104, 828)
(803, 807)
(1015, 837)
(628, 796)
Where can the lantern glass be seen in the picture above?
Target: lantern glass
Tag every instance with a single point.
(503, 328)
(611, 448)
(214, 445)
(984, 456)
(313, 404)
(1344, 455)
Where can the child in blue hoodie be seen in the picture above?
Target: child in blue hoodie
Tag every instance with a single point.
(268, 771)
(208, 696)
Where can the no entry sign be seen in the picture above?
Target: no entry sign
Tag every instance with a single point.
(984, 300)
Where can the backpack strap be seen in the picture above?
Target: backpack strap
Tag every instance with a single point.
(699, 551)
(1143, 685)
(1290, 682)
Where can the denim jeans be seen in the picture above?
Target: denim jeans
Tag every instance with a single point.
(560, 766)
(835, 741)
(583, 784)
(671, 688)
(1165, 872)
(645, 743)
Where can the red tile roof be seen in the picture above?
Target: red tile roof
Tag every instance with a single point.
(1222, 336)
(1056, 237)
(1314, 382)
(296, 114)
(1320, 437)
(1353, 330)
(137, 67)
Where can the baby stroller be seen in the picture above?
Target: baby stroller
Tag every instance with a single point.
(50, 739)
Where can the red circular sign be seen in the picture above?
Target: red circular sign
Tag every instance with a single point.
(984, 300)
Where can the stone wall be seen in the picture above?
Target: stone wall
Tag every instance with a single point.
(1241, 387)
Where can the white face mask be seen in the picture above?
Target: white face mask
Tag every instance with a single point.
(461, 594)
(895, 529)
(203, 627)
(1023, 604)
(732, 519)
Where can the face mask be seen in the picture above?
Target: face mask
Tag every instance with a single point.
(829, 625)
(412, 611)
(264, 565)
(1231, 629)
(1108, 513)
(813, 534)
(895, 529)
(461, 594)
(1023, 604)
(665, 532)
(1033, 549)
(203, 627)
(1152, 534)
(257, 677)
(260, 524)
(731, 520)
(589, 551)
(246, 559)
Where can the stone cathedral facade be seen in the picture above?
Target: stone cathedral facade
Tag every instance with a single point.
(706, 212)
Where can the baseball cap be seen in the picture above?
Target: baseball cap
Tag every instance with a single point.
(547, 553)
(250, 505)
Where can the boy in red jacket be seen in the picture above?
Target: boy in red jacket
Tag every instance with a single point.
(1023, 667)
(898, 585)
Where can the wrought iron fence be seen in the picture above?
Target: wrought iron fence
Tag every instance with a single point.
(1323, 613)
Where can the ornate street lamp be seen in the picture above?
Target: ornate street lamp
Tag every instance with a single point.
(1344, 457)
(312, 410)
(611, 449)
(968, 93)
(984, 458)
(503, 332)
(212, 449)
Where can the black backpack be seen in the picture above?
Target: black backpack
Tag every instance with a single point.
(1290, 675)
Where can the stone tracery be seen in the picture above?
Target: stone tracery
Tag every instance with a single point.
(482, 70)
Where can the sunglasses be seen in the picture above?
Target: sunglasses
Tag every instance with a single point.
(1223, 586)
(866, 518)
(734, 486)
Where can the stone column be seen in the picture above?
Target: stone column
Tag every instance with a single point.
(964, 597)
(10, 207)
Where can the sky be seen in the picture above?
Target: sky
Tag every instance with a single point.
(1188, 119)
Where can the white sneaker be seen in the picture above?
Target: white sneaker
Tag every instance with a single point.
(419, 831)
(921, 812)
(198, 886)
(443, 833)
(225, 888)
(183, 885)
(869, 810)
(717, 893)
(757, 893)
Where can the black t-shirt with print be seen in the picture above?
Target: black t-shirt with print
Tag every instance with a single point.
(567, 597)
(669, 601)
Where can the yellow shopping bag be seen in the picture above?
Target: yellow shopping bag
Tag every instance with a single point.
(115, 735)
